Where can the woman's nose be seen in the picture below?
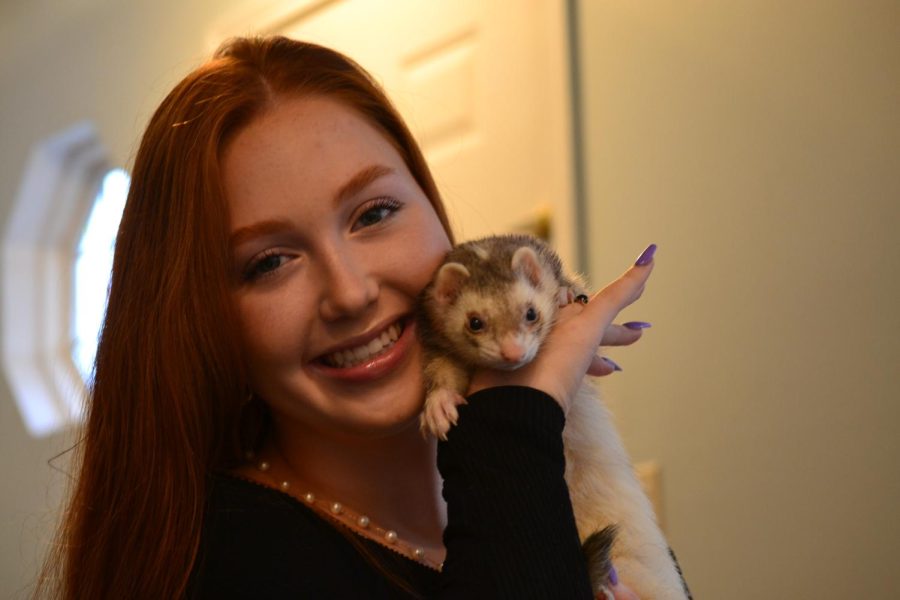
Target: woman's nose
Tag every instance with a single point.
(348, 287)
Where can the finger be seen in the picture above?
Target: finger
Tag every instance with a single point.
(619, 590)
(619, 335)
(569, 311)
(626, 289)
(601, 366)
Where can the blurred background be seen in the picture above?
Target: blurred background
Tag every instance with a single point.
(757, 142)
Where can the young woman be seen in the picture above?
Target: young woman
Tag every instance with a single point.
(252, 430)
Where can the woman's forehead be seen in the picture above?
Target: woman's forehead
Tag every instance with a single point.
(313, 131)
(308, 150)
(313, 139)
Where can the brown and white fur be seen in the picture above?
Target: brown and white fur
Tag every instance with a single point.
(491, 304)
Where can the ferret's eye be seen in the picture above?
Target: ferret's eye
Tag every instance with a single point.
(531, 314)
(475, 324)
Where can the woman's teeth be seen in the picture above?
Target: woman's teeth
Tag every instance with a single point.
(360, 354)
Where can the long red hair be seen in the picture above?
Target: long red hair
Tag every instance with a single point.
(168, 399)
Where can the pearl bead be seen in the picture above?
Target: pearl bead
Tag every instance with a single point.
(336, 508)
(263, 466)
(391, 536)
(285, 485)
(420, 554)
(363, 521)
(309, 497)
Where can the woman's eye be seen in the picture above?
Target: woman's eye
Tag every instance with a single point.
(380, 210)
(264, 266)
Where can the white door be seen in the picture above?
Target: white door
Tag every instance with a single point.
(483, 85)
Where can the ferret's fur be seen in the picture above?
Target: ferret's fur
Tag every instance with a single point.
(491, 304)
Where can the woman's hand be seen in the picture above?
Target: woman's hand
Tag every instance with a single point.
(570, 350)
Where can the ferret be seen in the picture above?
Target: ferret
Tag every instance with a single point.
(491, 304)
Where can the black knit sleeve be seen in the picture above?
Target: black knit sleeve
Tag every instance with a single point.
(511, 531)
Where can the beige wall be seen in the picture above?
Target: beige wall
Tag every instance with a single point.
(758, 143)
(62, 62)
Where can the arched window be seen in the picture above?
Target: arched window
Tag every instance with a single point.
(63, 203)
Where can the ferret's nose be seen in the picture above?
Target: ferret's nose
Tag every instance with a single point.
(511, 351)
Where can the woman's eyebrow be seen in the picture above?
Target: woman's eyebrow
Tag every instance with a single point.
(243, 234)
(358, 182)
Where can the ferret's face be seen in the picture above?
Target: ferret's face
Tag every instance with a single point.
(502, 330)
(332, 241)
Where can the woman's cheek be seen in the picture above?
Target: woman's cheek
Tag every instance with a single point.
(267, 327)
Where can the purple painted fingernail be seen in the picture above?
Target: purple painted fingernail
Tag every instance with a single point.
(637, 325)
(613, 576)
(646, 256)
(612, 363)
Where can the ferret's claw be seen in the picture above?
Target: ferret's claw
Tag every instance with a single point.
(431, 424)
(451, 413)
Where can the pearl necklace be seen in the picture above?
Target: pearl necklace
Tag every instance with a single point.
(355, 521)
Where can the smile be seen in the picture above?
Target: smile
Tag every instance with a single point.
(350, 357)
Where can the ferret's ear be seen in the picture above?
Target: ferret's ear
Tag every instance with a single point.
(449, 281)
(525, 261)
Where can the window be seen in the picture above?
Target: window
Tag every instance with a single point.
(50, 214)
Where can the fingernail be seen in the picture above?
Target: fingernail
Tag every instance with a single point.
(646, 256)
(612, 363)
(637, 325)
(613, 576)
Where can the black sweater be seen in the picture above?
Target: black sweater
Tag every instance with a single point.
(510, 532)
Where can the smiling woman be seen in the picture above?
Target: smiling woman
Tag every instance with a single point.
(252, 431)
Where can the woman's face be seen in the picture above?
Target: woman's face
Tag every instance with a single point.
(332, 239)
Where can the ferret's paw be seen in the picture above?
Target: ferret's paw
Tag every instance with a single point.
(440, 412)
(570, 294)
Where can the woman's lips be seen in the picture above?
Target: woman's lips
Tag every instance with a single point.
(364, 351)
(375, 367)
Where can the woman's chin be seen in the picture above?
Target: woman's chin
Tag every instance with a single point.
(397, 418)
